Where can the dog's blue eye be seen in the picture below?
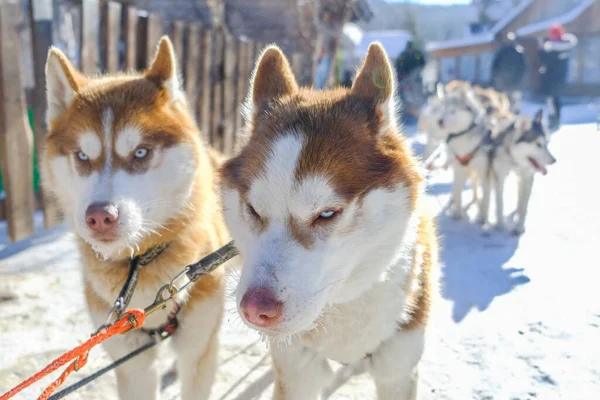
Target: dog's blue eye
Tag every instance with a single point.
(327, 214)
(141, 153)
(82, 156)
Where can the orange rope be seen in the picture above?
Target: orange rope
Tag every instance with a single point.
(131, 319)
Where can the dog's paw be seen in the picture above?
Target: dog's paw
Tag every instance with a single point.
(481, 219)
(517, 231)
(456, 215)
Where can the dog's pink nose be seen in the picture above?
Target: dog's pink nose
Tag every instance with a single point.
(102, 218)
(261, 307)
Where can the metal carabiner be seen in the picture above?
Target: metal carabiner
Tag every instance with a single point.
(160, 302)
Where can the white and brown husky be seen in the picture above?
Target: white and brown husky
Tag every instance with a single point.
(127, 164)
(325, 202)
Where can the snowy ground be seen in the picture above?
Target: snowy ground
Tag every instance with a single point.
(518, 318)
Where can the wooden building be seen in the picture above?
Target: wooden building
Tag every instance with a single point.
(471, 58)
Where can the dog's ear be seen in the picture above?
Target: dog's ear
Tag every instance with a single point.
(539, 115)
(163, 69)
(63, 81)
(375, 78)
(273, 77)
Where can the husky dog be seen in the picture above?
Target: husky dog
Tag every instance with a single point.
(518, 143)
(326, 204)
(522, 148)
(125, 160)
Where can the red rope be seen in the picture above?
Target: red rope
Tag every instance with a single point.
(131, 319)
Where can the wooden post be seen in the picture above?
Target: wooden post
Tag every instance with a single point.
(191, 67)
(113, 34)
(243, 74)
(153, 35)
(16, 138)
(40, 14)
(176, 34)
(131, 38)
(204, 102)
(216, 132)
(297, 65)
(90, 33)
(229, 89)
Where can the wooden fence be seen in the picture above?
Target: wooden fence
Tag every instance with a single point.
(215, 67)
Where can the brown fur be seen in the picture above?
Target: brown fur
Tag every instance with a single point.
(345, 141)
(193, 232)
(422, 281)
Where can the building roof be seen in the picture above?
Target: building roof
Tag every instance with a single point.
(485, 37)
(563, 19)
(393, 41)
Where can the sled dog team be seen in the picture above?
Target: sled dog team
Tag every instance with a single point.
(485, 142)
(324, 199)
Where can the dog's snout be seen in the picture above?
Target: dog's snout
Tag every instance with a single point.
(102, 218)
(261, 307)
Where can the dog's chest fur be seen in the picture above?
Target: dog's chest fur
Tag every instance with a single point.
(352, 330)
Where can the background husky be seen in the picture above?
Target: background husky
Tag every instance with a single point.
(520, 145)
(125, 160)
(325, 204)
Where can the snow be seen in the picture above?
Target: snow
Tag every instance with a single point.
(518, 317)
(563, 19)
(486, 37)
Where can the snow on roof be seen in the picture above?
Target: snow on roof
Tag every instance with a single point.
(353, 32)
(482, 38)
(563, 19)
(393, 41)
(473, 40)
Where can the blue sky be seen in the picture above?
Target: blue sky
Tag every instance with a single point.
(445, 2)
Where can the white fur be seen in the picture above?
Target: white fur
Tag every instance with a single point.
(145, 201)
(128, 139)
(330, 290)
(511, 157)
(90, 145)
(59, 92)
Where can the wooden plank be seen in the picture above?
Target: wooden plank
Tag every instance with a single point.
(297, 65)
(229, 91)
(40, 15)
(216, 132)
(243, 75)
(113, 34)
(90, 34)
(131, 23)
(141, 41)
(153, 35)
(16, 138)
(205, 96)
(192, 65)
(176, 34)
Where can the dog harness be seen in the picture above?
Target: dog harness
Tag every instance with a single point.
(126, 293)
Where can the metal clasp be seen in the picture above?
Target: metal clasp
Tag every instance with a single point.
(160, 302)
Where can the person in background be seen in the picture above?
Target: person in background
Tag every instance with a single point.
(347, 79)
(508, 69)
(554, 56)
(408, 60)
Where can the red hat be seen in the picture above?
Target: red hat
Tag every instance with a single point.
(556, 32)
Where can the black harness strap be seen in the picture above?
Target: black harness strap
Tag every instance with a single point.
(193, 271)
(126, 293)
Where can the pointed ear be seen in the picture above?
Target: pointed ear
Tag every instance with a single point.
(163, 69)
(375, 78)
(62, 83)
(539, 115)
(272, 77)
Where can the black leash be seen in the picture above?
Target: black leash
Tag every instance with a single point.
(193, 272)
(70, 389)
